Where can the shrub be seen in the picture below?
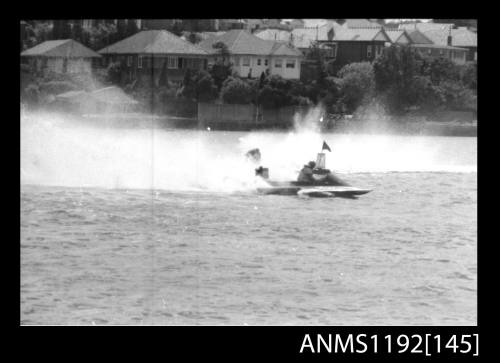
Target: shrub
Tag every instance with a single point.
(206, 90)
(440, 69)
(198, 86)
(235, 90)
(468, 75)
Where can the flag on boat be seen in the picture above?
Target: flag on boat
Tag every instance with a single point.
(325, 147)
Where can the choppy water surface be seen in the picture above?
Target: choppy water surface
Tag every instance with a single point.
(122, 254)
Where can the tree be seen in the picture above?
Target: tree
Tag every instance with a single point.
(163, 79)
(222, 51)
(177, 29)
(65, 30)
(56, 29)
(395, 73)
(315, 56)
(221, 69)
(235, 90)
(102, 35)
(121, 28)
(78, 31)
(188, 86)
(262, 80)
(131, 27)
(356, 84)
(194, 38)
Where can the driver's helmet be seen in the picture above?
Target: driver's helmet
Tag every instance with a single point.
(312, 164)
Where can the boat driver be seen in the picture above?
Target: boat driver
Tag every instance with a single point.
(306, 174)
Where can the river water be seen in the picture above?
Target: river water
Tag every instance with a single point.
(164, 227)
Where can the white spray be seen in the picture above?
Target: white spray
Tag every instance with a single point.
(56, 150)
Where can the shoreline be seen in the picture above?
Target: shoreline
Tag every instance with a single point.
(424, 128)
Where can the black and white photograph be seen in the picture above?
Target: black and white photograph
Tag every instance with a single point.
(248, 172)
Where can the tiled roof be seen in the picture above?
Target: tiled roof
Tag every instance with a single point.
(284, 49)
(206, 35)
(242, 42)
(436, 46)
(459, 37)
(67, 48)
(395, 34)
(313, 23)
(153, 42)
(342, 33)
(304, 37)
(438, 34)
(274, 35)
(423, 27)
(360, 23)
(417, 37)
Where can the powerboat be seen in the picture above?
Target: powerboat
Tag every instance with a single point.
(321, 182)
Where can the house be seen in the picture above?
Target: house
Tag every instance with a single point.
(251, 55)
(151, 54)
(439, 34)
(427, 48)
(304, 38)
(455, 54)
(358, 44)
(344, 45)
(60, 56)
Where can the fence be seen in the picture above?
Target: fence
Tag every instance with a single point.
(238, 116)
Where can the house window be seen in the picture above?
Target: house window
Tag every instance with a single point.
(246, 62)
(369, 51)
(290, 63)
(334, 50)
(237, 61)
(139, 62)
(278, 63)
(258, 62)
(172, 62)
(266, 62)
(378, 50)
(129, 60)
